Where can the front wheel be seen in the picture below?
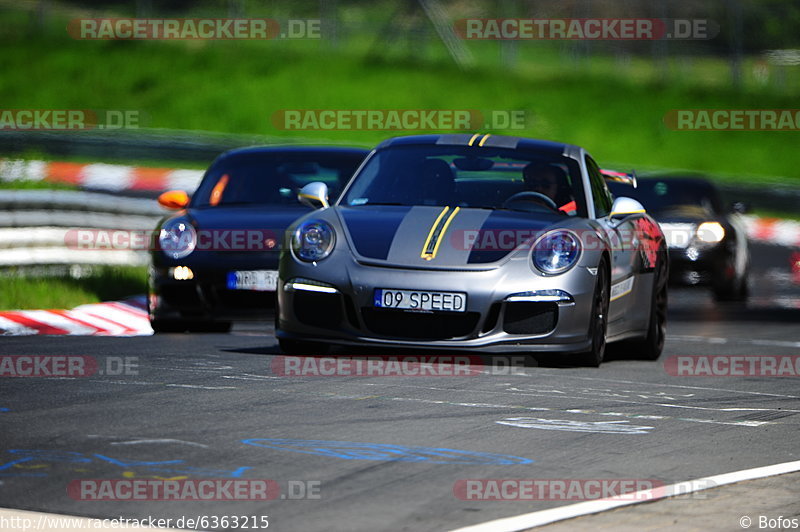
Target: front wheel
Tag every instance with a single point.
(651, 346)
(736, 290)
(599, 320)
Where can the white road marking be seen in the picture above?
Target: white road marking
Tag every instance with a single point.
(569, 425)
(517, 391)
(751, 341)
(250, 377)
(198, 387)
(138, 383)
(527, 394)
(161, 440)
(544, 517)
(739, 423)
(620, 381)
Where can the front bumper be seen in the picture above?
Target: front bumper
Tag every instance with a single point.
(344, 314)
(697, 266)
(205, 296)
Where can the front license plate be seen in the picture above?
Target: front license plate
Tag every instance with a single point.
(260, 280)
(420, 300)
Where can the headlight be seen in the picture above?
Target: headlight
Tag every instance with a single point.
(556, 252)
(710, 232)
(313, 240)
(177, 238)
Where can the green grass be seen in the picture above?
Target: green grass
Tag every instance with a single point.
(24, 184)
(612, 107)
(771, 213)
(103, 284)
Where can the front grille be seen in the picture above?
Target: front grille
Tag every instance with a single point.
(491, 318)
(318, 309)
(526, 317)
(419, 326)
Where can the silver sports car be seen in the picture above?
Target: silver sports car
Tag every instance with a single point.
(483, 242)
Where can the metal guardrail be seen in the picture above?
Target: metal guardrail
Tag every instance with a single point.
(142, 144)
(37, 227)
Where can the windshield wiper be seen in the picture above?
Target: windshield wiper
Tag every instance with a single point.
(376, 203)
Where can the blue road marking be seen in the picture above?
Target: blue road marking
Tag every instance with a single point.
(379, 451)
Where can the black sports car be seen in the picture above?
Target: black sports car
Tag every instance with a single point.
(216, 259)
(707, 240)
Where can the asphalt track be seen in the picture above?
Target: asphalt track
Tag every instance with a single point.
(212, 406)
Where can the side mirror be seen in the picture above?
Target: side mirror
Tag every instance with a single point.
(623, 207)
(314, 195)
(174, 199)
(740, 207)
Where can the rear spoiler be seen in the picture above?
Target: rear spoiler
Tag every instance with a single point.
(620, 177)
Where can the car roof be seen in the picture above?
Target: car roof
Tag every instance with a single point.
(317, 150)
(483, 140)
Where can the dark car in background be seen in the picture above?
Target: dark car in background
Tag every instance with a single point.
(707, 239)
(216, 258)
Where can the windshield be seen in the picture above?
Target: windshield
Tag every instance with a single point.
(668, 196)
(272, 178)
(490, 178)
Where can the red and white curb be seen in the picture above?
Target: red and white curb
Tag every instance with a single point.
(114, 318)
(773, 231)
(110, 177)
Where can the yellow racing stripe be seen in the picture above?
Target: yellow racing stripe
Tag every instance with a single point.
(443, 231)
(424, 254)
(475, 136)
(484, 139)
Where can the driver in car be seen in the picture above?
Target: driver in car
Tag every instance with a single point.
(551, 181)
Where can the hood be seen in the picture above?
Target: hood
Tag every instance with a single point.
(439, 237)
(268, 219)
(684, 214)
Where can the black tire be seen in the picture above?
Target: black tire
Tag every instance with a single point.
(167, 326)
(736, 290)
(598, 327)
(652, 345)
(301, 348)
